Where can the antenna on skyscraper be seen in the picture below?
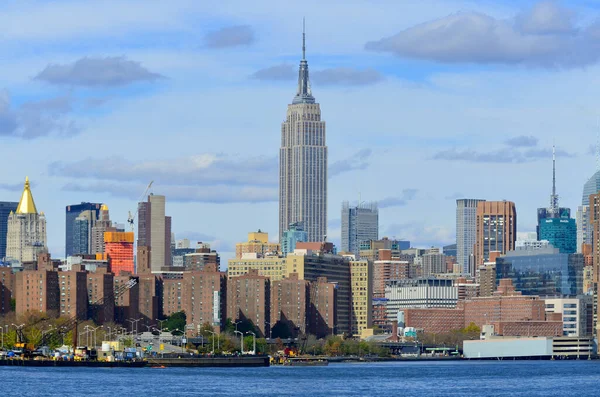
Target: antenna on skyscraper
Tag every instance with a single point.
(554, 197)
(303, 38)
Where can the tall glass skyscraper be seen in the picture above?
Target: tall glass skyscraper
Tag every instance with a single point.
(303, 162)
(295, 234)
(584, 228)
(71, 213)
(6, 207)
(359, 223)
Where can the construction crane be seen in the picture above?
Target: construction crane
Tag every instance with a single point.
(132, 216)
(322, 250)
(71, 324)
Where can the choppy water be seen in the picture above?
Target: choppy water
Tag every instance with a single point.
(520, 378)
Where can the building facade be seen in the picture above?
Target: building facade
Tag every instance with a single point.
(26, 232)
(290, 299)
(466, 231)
(303, 162)
(560, 232)
(258, 243)
(419, 293)
(359, 223)
(248, 299)
(71, 213)
(361, 279)
(119, 250)
(293, 235)
(496, 229)
(154, 231)
(6, 207)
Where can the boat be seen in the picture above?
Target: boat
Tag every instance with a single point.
(306, 362)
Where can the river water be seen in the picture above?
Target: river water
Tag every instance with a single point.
(431, 379)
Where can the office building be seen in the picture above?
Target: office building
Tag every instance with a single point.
(542, 272)
(290, 301)
(119, 251)
(450, 250)
(360, 223)
(154, 231)
(303, 162)
(82, 232)
(293, 235)
(258, 243)
(496, 229)
(574, 314)
(26, 232)
(466, 231)
(72, 212)
(561, 233)
(361, 282)
(419, 293)
(248, 299)
(101, 225)
(6, 207)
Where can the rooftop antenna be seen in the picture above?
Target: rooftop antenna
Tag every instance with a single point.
(554, 197)
(303, 39)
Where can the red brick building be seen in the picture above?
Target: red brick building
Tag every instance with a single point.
(248, 298)
(100, 289)
(322, 312)
(205, 297)
(289, 303)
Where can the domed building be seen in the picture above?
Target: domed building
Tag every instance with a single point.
(26, 236)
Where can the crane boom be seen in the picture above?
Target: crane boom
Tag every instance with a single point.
(131, 216)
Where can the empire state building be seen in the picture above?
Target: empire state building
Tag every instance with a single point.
(303, 162)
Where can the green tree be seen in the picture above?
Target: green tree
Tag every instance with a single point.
(176, 321)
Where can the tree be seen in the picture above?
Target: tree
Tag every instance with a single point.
(176, 321)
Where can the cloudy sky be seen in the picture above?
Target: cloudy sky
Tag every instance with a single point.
(425, 102)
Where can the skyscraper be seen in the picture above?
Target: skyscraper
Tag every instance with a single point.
(496, 229)
(154, 231)
(71, 213)
(359, 223)
(26, 236)
(6, 207)
(303, 162)
(103, 224)
(295, 234)
(82, 232)
(466, 230)
(584, 226)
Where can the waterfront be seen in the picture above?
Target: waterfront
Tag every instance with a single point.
(431, 379)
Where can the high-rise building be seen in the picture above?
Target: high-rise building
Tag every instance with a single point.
(496, 229)
(154, 231)
(584, 228)
(37, 291)
(434, 263)
(206, 292)
(82, 232)
(322, 317)
(72, 212)
(290, 305)
(119, 250)
(560, 232)
(6, 207)
(248, 299)
(466, 231)
(258, 243)
(303, 162)
(359, 223)
(103, 224)
(361, 284)
(26, 235)
(295, 234)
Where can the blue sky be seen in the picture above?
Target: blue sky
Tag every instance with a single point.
(425, 102)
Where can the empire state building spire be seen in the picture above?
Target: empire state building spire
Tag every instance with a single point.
(304, 93)
(303, 162)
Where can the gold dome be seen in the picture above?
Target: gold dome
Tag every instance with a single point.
(26, 204)
(104, 207)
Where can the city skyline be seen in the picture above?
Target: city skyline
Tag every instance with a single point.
(434, 109)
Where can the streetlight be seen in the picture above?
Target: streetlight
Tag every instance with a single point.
(241, 340)
(160, 325)
(213, 338)
(253, 342)
(236, 324)
(134, 321)
(94, 331)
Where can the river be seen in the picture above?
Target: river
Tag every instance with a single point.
(399, 379)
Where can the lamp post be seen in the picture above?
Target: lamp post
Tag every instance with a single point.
(253, 342)
(213, 338)
(160, 324)
(134, 321)
(241, 341)
(94, 331)
(236, 324)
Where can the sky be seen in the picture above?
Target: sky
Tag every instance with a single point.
(425, 101)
